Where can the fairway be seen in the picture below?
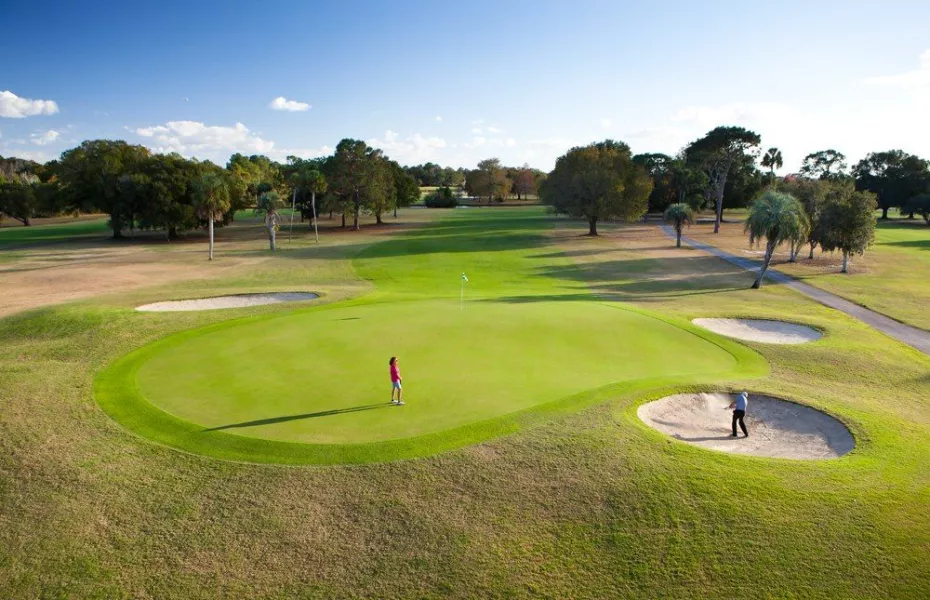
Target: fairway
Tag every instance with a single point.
(312, 385)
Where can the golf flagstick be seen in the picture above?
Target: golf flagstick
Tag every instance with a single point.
(462, 297)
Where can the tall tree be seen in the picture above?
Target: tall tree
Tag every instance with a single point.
(91, 174)
(211, 200)
(744, 184)
(772, 159)
(359, 178)
(658, 166)
(894, 176)
(307, 181)
(406, 190)
(596, 182)
(824, 164)
(496, 183)
(687, 183)
(716, 153)
(848, 222)
(811, 193)
(379, 194)
(778, 218)
(524, 181)
(269, 203)
(18, 201)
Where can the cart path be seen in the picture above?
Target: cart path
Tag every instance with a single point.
(912, 336)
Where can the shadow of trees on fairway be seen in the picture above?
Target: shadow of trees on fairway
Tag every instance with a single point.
(918, 244)
(313, 415)
(495, 232)
(643, 278)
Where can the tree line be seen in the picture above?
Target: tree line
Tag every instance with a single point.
(140, 190)
(720, 171)
(824, 204)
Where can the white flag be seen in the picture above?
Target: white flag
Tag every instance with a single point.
(465, 279)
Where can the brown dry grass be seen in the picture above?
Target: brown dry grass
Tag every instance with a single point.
(44, 274)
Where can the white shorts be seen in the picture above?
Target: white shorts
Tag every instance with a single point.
(396, 385)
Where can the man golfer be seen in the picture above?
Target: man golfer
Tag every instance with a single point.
(739, 412)
(396, 382)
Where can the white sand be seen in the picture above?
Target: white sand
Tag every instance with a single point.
(777, 428)
(218, 302)
(759, 330)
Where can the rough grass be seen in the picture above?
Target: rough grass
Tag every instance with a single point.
(891, 278)
(589, 504)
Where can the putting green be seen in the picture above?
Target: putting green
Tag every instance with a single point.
(312, 385)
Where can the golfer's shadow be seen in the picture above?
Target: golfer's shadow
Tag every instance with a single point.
(706, 438)
(313, 415)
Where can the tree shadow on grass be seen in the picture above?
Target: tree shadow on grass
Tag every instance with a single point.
(646, 278)
(918, 244)
(313, 415)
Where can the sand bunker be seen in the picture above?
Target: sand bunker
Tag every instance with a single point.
(777, 428)
(218, 302)
(759, 330)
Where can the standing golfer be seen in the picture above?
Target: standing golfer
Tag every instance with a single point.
(396, 380)
(739, 411)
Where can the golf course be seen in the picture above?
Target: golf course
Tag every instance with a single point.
(516, 349)
(517, 467)
(453, 301)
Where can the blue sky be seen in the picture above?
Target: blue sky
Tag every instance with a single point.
(458, 82)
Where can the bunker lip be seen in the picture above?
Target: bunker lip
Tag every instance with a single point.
(761, 330)
(229, 301)
(777, 428)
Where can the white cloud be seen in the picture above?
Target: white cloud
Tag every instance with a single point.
(14, 107)
(778, 125)
(495, 130)
(480, 141)
(476, 131)
(47, 137)
(438, 118)
(478, 122)
(916, 78)
(607, 122)
(282, 103)
(414, 149)
(37, 155)
(197, 139)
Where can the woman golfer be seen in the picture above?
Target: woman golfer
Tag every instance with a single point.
(396, 380)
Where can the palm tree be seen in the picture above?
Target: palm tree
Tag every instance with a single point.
(310, 180)
(211, 198)
(268, 205)
(772, 160)
(679, 215)
(778, 218)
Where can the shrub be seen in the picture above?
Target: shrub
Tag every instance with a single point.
(441, 198)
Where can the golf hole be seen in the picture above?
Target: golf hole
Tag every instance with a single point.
(777, 428)
(761, 330)
(234, 301)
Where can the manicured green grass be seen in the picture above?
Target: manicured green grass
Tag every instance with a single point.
(90, 228)
(518, 346)
(585, 504)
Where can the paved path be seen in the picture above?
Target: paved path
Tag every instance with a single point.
(912, 336)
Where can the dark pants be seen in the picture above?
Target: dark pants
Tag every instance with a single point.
(738, 416)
